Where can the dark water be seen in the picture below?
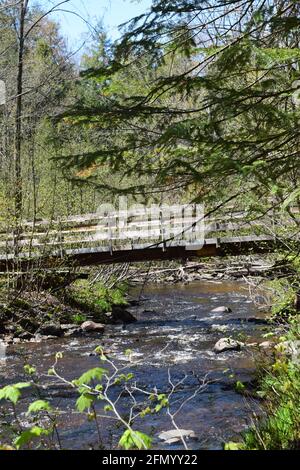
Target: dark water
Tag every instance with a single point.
(173, 337)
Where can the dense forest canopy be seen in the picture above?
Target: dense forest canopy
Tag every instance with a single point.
(198, 93)
(193, 94)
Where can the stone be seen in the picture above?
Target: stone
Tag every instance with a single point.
(71, 330)
(68, 326)
(25, 335)
(227, 344)
(221, 310)
(37, 338)
(8, 339)
(175, 435)
(50, 329)
(90, 326)
(120, 315)
(266, 345)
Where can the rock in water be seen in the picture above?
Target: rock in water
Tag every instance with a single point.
(71, 330)
(90, 326)
(221, 310)
(50, 329)
(175, 435)
(227, 344)
(120, 315)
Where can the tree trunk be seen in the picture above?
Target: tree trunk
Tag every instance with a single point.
(18, 116)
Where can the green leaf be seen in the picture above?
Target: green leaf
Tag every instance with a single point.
(239, 386)
(135, 440)
(84, 402)
(30, 370)
(39, 405)
(92, 374)
(21, 385)
(108, 408)
(28, 435)
(12, 392)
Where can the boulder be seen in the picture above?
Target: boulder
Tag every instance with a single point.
(92, 327)
(120, 315)
(175, 435)
(50, 329)
(227, 344)
(221, 310)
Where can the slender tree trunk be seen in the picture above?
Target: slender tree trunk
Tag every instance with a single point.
(18, 116)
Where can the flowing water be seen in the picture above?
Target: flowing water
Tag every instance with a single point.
(173, 339)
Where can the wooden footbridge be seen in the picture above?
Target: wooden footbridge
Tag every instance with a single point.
(138, 235)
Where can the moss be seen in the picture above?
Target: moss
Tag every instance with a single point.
(95, 298)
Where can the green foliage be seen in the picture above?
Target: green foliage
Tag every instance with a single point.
(96, 298)
(135, 440)
(39, 405)
(30, 370)
(280, 386)
(239, 386)
(26, 437)
(204, 114)
(13, 392)
(233, 446)
(283, 298)
(92, 374)
(79, 318)
(84, 402)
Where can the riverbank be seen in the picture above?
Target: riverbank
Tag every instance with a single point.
(225, 269)
(61, 305)
(82, 307)
(279, 376)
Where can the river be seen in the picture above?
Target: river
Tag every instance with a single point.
(175, 334)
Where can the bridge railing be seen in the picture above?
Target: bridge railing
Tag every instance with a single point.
(126, 230)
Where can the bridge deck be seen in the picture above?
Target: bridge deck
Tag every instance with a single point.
(92, 239)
